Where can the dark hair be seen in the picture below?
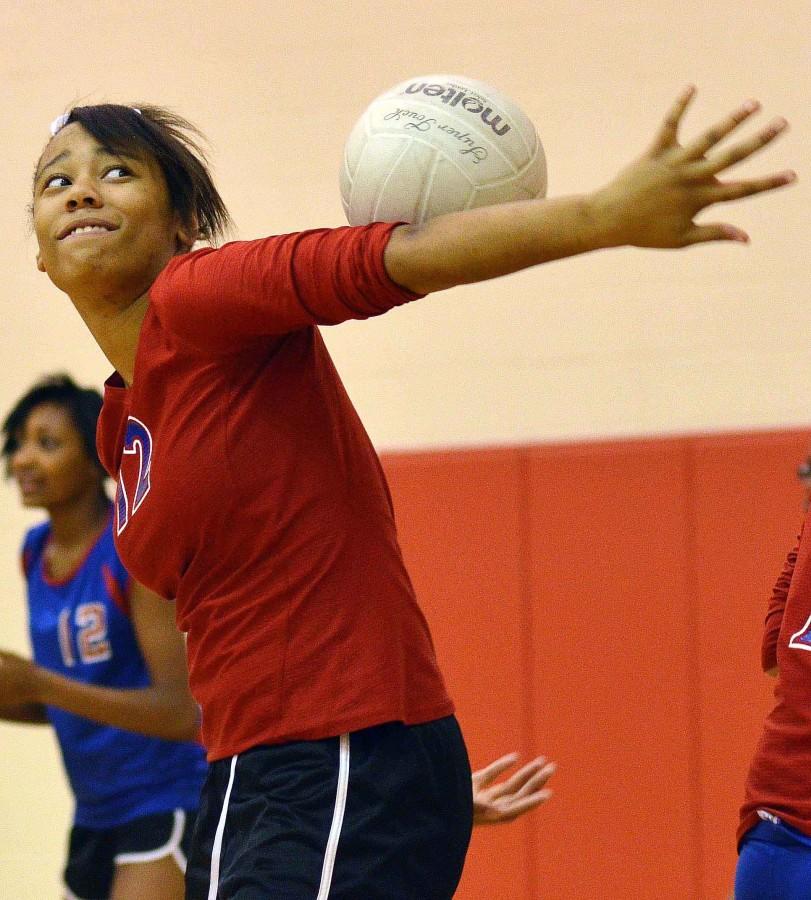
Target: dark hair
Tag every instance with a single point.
(174, 144)
(83, 405)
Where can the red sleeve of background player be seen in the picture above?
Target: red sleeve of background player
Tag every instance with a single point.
(217, 299)
(774, 617)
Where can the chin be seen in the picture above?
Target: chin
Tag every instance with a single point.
(79, 271)
(33, 501)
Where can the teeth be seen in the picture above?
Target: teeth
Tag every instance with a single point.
(87, 229)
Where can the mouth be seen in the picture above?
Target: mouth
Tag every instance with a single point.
(86, 227)
(29, 485)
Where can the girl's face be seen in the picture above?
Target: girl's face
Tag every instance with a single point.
(51, 465)
(103, 220)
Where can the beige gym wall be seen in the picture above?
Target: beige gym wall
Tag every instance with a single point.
(619, 343)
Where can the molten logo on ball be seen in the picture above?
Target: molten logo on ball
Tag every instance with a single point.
(453, 95)
(439, 144)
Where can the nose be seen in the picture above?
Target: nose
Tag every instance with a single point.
(83, 194)
(21, 458)
(17, 460)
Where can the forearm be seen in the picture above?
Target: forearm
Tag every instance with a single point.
(25, 713)
(476, 245)
(155, 711)
(651, 203)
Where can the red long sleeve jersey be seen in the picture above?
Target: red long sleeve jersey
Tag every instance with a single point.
(249, 492)
(779, 780)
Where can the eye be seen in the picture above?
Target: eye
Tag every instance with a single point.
(56, 181)
(49, 443)
(117, 172)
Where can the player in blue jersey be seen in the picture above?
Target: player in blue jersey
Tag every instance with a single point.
(107, 662)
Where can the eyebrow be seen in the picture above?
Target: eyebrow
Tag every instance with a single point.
(63, 155)
(100, 151)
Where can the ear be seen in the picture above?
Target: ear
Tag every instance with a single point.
(187, 234)
(40, 263)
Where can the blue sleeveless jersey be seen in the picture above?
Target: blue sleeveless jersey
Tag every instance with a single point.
(81, 628)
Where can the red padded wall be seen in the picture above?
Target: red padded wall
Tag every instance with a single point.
(612, 630)
(602, 603)
(460, 529)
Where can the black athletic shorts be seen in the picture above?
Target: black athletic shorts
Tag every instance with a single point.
(380, 814)
(93, 853)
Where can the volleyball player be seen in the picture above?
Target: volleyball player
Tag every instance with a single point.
(774, 834)
(250, 493)
(108, 662)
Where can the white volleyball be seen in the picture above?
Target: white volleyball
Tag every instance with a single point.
(437, 144)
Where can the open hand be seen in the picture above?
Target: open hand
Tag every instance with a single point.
(503, 801)
(653, 202)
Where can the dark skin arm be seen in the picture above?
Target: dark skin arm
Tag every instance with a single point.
(651, 203)
(165, 709)
(26, 713)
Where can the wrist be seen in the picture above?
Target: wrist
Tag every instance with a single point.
(605, 219)
(43, 686)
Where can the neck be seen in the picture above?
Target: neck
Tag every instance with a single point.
(116, 330)
(73, 524)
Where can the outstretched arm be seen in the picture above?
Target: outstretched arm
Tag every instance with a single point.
(165, 709)
(27, 713)
(496, 802)
(651, 203)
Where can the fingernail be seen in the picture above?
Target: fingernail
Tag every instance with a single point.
(733, 234)
(751, 105)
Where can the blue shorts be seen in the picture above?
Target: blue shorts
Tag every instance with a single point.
(774, 864)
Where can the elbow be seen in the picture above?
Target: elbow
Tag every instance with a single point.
(189, 727)
(184, 724)
(409, 263)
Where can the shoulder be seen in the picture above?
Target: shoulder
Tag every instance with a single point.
(33, 544)
(194, 271)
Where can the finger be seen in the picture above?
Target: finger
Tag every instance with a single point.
(714, 231)
(537, 781)
(718, 132)
(516, 808)
(487, 775)
(518, 780)
(736, 190)
(532, 782)
(720, 161)
(668, 132)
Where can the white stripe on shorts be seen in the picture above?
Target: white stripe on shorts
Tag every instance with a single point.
(216, 850)
(170, 848)
(337, 817)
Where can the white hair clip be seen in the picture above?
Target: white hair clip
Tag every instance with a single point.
(60, 121)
